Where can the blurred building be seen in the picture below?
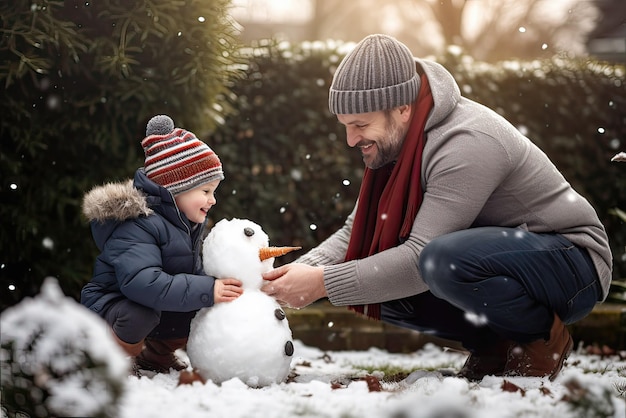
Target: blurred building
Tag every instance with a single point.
(300, 20)
(281, 19)
(608, 40)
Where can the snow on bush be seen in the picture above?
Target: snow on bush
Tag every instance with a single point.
(58, 359)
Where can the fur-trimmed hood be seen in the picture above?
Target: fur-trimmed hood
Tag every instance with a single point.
(113, 205)
(115, 201)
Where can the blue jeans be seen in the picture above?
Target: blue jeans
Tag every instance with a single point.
(493, 283)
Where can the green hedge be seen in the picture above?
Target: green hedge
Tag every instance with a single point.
(286, 162)
(79, 82)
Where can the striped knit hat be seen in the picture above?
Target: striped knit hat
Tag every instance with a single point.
(176, 159)
(378, 74)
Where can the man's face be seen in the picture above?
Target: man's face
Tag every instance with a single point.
(379, 135)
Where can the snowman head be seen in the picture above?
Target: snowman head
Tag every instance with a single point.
(239, 248)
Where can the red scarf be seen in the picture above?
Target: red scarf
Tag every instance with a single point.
(391, 196)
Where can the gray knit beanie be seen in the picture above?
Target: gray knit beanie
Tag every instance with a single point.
(378, 74)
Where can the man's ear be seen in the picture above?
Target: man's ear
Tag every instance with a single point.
(405, 112)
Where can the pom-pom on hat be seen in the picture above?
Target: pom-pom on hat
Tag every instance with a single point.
(378, 74)
(176, 159)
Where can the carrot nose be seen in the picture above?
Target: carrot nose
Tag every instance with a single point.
(269, 252)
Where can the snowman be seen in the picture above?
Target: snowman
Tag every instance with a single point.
(248, 338)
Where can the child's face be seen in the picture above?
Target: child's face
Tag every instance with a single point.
(195, 203)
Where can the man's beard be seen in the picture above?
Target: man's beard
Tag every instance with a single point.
(389, 150)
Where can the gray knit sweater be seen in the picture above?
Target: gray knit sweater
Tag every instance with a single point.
(477, 170)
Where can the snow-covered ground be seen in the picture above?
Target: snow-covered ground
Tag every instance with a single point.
(59, 346)
(335, 384)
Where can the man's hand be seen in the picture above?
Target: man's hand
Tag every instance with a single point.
(226, 290)
(295, 285)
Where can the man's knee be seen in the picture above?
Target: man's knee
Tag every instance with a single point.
(438, 265)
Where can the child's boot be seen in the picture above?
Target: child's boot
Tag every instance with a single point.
(159, 356)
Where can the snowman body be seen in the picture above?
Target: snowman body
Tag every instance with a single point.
(248, 338)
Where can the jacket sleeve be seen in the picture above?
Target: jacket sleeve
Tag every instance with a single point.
(135, 254)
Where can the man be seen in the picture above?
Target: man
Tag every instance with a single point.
(463, 227)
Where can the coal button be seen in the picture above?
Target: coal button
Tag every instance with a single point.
(289, 348)
(278, 313)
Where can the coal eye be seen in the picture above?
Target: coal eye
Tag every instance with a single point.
(248, 231)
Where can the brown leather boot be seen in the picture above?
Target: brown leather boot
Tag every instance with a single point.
(158, 355)
(486, 361)
(541, 357)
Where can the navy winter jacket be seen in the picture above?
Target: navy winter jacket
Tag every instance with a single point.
(150, 251)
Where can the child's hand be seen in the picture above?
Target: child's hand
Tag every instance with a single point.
(226, 290)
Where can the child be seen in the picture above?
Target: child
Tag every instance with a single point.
(148, 281)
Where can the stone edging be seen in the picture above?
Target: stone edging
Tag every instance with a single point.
(328, 327)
